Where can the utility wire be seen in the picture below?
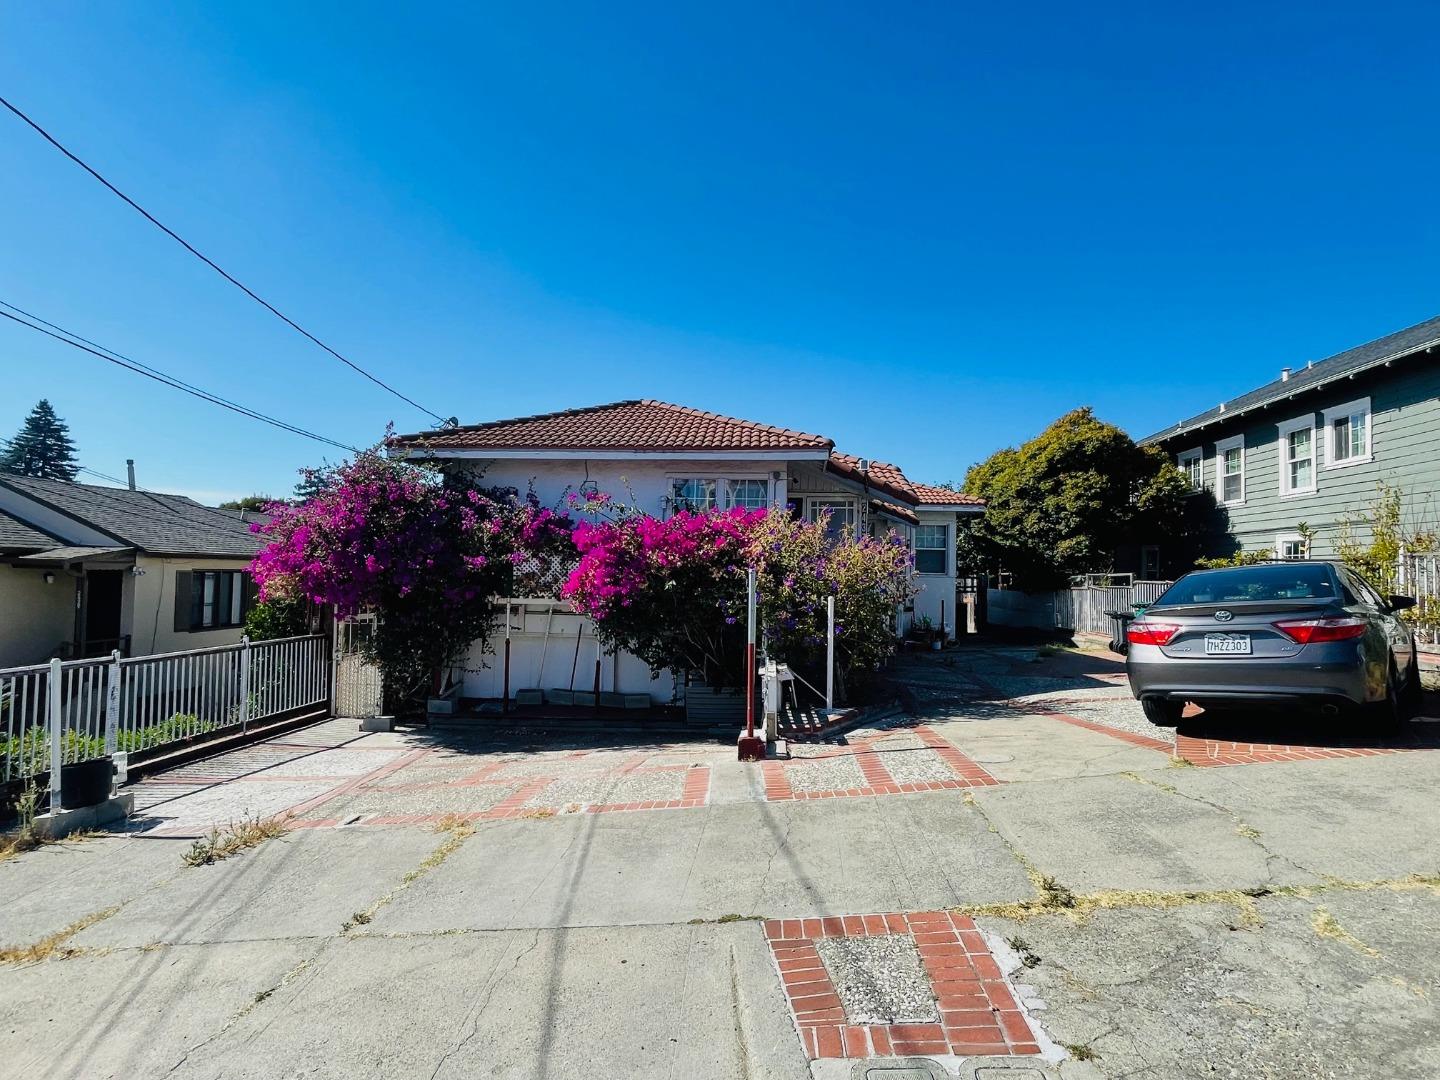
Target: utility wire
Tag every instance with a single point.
(214, 266)
(74, 341)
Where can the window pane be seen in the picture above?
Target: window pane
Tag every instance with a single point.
(207, 603)
(748, 494)
(1357, 435)
(694, 495)
(1342, 439)
(929, 561)
(237, 597)
(1233, 488)
(842, 515)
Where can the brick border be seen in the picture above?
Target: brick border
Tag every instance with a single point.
(878, 781)
(979, 1014)
(1206, 752)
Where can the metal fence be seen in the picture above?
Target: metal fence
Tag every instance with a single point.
(1420, 577)
(84, 709)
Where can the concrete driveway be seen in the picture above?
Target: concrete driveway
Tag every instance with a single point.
(1022, 879)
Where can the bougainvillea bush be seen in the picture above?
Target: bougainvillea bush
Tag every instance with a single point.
(427, 551)
(672, 592)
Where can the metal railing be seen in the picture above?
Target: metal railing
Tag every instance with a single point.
(79, 710)
(1419, 576)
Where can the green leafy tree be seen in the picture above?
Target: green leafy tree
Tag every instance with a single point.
(249, 502)
(42, 448)
(1064, 502)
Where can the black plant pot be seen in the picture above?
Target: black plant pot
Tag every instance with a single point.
(86, 783)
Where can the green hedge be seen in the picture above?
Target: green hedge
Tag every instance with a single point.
(23, 755)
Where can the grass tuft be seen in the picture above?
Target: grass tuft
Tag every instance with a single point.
(1327, 926)
(236, 837)
(54, 946)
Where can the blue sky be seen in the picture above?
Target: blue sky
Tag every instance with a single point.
(924, 230)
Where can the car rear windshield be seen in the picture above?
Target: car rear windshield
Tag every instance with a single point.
(1299, 581)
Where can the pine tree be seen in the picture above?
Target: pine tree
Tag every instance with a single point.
(42, 447)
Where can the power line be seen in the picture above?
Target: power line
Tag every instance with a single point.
(213, 265)
(109, 355)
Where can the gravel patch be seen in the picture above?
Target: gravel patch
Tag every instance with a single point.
(879, 979)
(918, 767)
(831, 774)
(429, 772)
(1121, 713)
(336, 763)
(467, 799)
(604, 789)
(219, 805)
(904, 740)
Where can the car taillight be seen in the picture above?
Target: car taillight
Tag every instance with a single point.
(1313, 631)
(1141, 632)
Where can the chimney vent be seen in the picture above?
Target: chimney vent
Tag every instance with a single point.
(1284, 374)
(130, 472)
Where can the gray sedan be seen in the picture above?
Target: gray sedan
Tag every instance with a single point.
(1284, 633)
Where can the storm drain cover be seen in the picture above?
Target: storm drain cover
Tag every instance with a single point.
(879, 979)
(884, 1073)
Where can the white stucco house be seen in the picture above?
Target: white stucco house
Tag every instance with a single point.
(660, 458)
(85, 570)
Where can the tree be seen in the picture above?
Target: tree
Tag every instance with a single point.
(42, 448)
(1064, 502)
(426, 552)
(312, 482)
(250, 502)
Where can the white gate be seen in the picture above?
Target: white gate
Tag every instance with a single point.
(359, 688)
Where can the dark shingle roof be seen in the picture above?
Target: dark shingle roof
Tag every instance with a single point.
(1391, 347)
(15, 535)
(154, 523)
(642, 426)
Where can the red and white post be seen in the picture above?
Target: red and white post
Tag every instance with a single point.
(751, 746)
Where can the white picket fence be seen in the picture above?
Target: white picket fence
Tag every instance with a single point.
(1420, 577)
(72, 711)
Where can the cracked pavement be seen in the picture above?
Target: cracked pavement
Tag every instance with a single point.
(1261, 920)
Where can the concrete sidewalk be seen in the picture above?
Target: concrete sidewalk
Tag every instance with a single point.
(512, 920)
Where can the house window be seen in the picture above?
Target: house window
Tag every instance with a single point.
(1230, 470)
(1291, 546)
(1297, 456)
(693, 495)
(1347, 434)
(841, 511)
(747, 494)
(1192, 464)
(932, 549)
(218, 599)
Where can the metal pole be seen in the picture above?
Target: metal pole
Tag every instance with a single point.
(112, 701)
(56, 754)
(505, 692)
(829, 653)
(750, 653)
(244, 683)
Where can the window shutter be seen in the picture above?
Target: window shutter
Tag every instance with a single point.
(182, 601)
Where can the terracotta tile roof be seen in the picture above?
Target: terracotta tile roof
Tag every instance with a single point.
(881, 475)
(643, 426)
(895, 510)
(933, 495)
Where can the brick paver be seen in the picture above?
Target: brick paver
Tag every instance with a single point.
(878, 780)
(979, 1013)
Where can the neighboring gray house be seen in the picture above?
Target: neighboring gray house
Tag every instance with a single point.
(1312, 446)
(85, 570)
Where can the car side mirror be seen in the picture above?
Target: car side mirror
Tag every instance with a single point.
(1400, 603)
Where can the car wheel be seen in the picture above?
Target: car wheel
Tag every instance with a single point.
(1413, 694)
(1161, 712)
(1387, 715)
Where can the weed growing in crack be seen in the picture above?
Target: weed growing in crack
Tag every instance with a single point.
(1327, 926)
(54, 946)
(1080, 1051)
(1022, 949)
(233, 839)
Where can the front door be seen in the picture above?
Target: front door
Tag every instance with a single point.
(103, 590)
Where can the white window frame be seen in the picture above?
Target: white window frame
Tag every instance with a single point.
(1235, 442)
(722, 488)
(832, 503)
(1197, 455)
(1358, 407)
(945, 547)
(1282, 539)
(1282, 449)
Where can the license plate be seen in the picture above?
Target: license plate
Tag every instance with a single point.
(1227, 644)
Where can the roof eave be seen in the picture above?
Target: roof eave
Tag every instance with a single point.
(1185, 428)
(612, 454)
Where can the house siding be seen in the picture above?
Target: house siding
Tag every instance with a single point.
(1405, 452)
(39, 619)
